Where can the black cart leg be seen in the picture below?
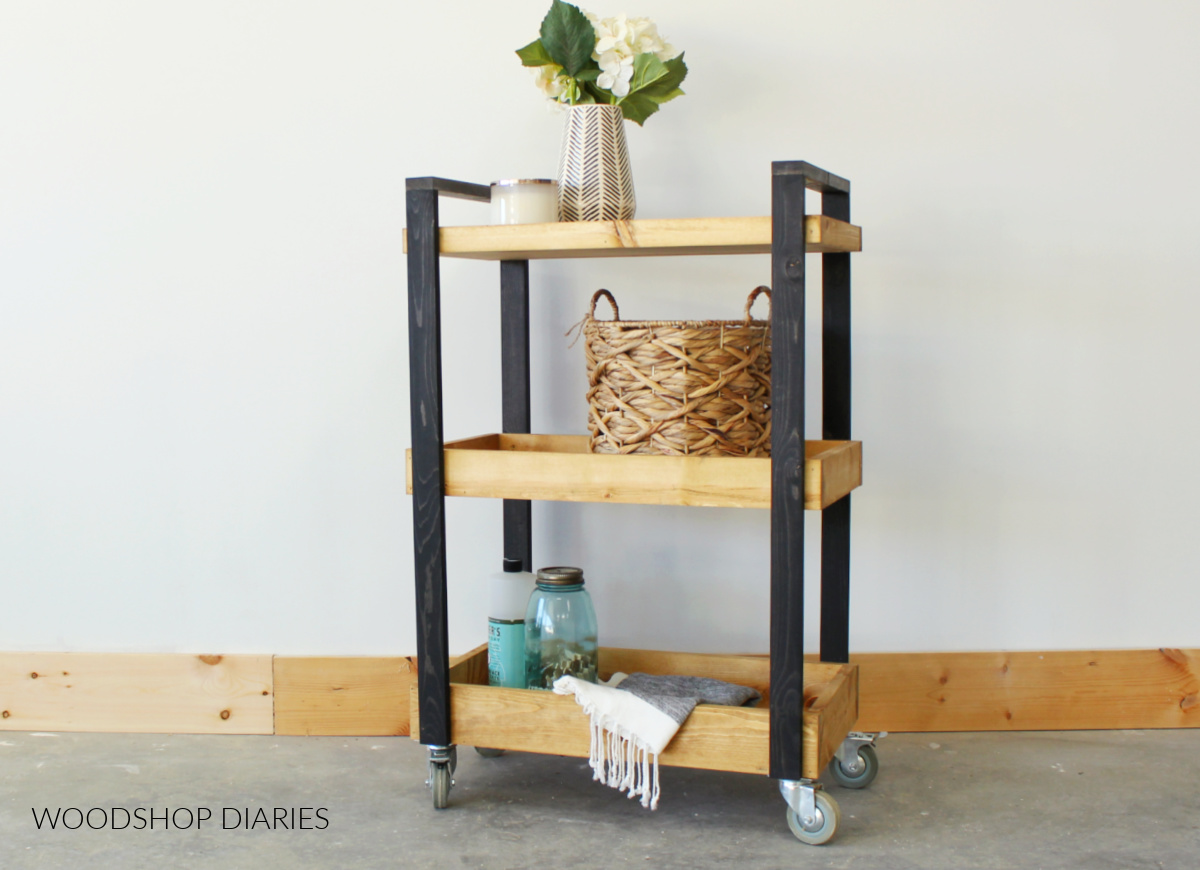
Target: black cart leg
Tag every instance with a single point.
(787, 470)
(429, 520)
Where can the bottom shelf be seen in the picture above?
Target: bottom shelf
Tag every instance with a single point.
(713, 738)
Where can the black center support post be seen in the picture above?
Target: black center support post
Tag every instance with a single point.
(835, 425)
(514, 378)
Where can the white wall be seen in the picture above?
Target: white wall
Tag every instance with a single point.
(203, 384)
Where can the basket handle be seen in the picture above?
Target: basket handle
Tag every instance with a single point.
(754, 295)
(613, 302)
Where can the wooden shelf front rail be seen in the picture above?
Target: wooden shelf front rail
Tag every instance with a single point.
(560, 468)
(713, 737)
(648, 238)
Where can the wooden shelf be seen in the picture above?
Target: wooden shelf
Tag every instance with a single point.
(560, 468)
(713, 737)
(650, 238)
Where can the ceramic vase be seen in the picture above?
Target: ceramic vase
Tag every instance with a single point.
(595, 182)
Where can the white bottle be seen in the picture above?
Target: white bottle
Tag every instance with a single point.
(509, 596)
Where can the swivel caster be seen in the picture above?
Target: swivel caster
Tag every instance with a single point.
(855, 764)
(443, 760)
(812, 815)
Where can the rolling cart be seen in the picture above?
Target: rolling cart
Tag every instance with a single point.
(809, 710)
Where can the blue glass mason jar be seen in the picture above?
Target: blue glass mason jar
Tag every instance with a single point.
(560, 629)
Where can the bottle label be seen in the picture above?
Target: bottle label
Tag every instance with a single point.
(506, 653)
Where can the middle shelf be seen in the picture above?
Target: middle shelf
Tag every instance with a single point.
(561, 468)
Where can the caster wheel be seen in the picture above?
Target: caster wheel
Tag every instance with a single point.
(439, 784)
(489, 753)
(859, 772)
(824, 825)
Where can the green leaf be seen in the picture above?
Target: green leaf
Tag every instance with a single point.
(665, 98)
(568, 37)
(596, 93)
(654, 82)
(638, 107)
(647, 69)
(667, 87)
(534, 54)
(590, 74)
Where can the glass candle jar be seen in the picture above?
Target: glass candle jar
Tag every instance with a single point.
(525, 201)
(560, 629)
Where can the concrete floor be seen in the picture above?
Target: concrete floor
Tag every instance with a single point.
(1088, 800)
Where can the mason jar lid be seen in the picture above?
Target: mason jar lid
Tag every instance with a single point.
(513, 182)
(560, 576)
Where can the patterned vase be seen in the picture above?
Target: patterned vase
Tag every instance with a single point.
(594, 179)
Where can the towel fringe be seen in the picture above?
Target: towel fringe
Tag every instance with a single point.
(621, 760)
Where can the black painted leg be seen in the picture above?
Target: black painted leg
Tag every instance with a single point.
(835, 582)
(787, 473)
(835, 417)
(429, 520)
(514, 375)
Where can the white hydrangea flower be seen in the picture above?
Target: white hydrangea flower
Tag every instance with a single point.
(549, 81)
(643, 36)
(619, 40)
(616, 71)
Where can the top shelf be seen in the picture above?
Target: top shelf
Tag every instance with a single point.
(650, 238)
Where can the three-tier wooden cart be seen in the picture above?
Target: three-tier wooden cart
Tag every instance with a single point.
(809, 709)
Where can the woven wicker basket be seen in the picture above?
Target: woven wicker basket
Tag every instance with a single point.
(682, 387)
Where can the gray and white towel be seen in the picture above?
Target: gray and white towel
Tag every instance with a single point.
(634, 717)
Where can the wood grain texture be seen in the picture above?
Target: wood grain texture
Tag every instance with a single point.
(639, 238)
(345, 695)
(713, 737)
(142, 693)
(471, 667)
(917, 692)
(830, 717)
(560, 468)
(428, 504)
(1029, 691)
(788, 451)
(355, 695)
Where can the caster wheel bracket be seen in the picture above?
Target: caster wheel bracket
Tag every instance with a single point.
(847, 752)
(801, 797)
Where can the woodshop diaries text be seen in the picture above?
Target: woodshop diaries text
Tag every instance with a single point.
(182, 818)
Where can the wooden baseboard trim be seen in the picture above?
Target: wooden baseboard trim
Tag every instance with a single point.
(134, 692)
(347, 696)
(1069, 690)
(358, 695)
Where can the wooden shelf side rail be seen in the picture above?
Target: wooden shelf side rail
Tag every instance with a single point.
(639, 238)
(560, 468)
(713, 737)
